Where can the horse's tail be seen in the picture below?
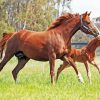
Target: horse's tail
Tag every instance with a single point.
(3, 41)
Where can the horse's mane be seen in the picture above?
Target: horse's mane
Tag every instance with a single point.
(60, 20)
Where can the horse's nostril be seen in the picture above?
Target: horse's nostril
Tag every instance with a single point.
(98, 33)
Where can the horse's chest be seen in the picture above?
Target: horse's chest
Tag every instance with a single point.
(62, 50)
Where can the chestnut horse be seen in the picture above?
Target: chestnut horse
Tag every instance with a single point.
(85, 55)
(48, 45)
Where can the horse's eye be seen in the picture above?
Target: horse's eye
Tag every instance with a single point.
(88, 22)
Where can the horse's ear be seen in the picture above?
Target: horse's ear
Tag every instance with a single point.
(85, 14)
(89, 13)
(4, 34)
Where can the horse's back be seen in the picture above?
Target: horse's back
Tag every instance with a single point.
(32, 44)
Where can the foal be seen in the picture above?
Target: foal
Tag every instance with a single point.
(85, 55)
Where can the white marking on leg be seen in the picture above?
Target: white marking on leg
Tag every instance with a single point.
(80, 77)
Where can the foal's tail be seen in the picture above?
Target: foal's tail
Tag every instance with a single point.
(3, 41)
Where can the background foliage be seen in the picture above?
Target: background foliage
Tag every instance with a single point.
(29, 14)
(34, 15)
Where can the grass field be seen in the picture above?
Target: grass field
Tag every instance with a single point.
(34, 83)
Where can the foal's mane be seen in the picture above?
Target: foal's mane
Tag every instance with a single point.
(60, 20)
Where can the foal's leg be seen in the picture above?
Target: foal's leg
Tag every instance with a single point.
(88, 71)
(72, 63)
(94, 64)
(52, 59)
(61, 68)
(20, 65)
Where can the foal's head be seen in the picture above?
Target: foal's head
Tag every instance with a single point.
(87, 26)
(97, 39)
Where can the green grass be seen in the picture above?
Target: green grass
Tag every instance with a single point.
(34, 83)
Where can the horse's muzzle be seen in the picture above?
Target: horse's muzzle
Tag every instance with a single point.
(96, 34)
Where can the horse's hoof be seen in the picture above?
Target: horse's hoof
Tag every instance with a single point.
(81, 81)
(53, 83)
(80, 78)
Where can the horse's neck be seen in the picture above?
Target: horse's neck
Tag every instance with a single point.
(69, 29)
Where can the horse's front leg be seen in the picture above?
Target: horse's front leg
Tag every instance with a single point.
(88, 71)
(52, 59)
(72, 63)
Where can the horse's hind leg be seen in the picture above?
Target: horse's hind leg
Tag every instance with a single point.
(1, 54)
(7, 57)
(9, 53)
(20, 65)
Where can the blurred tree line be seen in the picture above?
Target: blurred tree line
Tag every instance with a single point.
(34, 15)
(98, 19)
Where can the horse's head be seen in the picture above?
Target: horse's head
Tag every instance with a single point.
(87, 26)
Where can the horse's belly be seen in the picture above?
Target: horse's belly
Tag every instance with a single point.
(36, 54)
(39, 51)
(40, 56)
